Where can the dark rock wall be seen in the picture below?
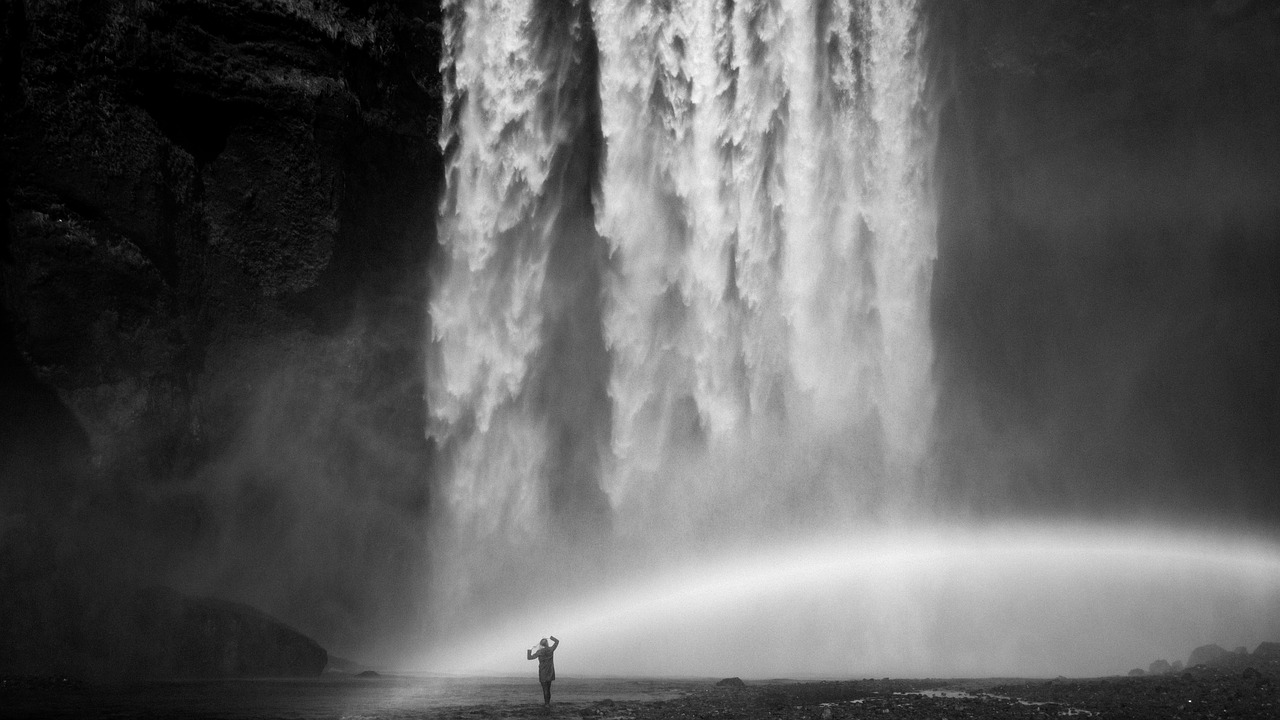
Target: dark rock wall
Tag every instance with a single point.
(218, 217)
(1107, 293)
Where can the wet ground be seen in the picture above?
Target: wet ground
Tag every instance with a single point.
(1206, 693)
(329, 697)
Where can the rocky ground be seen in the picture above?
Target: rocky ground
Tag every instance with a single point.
(1202, 694)
(1198, 693)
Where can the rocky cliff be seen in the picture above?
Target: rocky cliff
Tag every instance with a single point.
(1106, 308)
(218, 217)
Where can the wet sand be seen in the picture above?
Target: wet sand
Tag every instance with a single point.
(1203, 693)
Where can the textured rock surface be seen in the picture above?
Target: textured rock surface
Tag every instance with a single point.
(217, 222)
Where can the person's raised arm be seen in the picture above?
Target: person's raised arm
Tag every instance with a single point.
(529, 652)
(554, 642)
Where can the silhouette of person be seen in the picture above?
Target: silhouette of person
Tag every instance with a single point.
(546, 665)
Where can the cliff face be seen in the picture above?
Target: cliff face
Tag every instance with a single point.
(217, 223)
(1106, 307)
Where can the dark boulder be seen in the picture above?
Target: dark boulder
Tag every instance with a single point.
(101, 630)
(1137, 672)
(1159, 667)
(177, 636)
(1267, 651)
(1206, 655)
(731, 682)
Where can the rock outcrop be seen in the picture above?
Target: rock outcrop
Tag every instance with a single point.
(1267, 651)
(1206, 655)
(1213, 658)
(170, 635)
(110, 632)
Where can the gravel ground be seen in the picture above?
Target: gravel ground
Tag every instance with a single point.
(1199, 693)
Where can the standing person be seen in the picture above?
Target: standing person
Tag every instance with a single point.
(546, 665)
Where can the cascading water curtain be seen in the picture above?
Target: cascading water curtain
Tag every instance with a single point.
(760, 264)
(766, 201)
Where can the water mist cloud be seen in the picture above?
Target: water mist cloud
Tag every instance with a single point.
(760, 229)
(1011, 601)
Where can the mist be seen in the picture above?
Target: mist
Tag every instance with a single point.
(1107, 265)
(969, 310)
(1013, 601)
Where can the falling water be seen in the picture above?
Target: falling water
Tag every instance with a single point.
(762, 265)
(682, 315)
(684, 296)
(765, 201)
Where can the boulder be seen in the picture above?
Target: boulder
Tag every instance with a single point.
(731, 682)
(1137, 672)
(179, 636)
(1206, 655)
(1176, 666)
(1159, 667)
(1267, 651)
(57, 627)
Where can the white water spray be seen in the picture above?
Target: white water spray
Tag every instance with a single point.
(487, 311)
(766, 200)
(683, 314)
(766, 211)
(1002, 602)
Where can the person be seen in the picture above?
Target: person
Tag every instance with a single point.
(546, 665)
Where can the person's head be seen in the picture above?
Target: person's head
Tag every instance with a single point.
(543, 642)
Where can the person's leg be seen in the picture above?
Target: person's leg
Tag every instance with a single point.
(546, 693)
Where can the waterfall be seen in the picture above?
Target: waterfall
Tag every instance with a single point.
(680, 371)
(685, 282)
(765, 201)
